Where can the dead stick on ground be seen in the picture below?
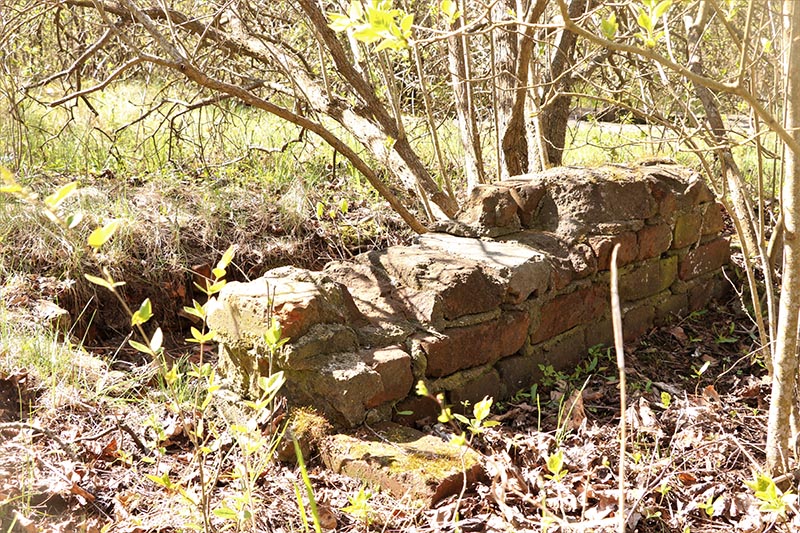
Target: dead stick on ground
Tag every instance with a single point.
(616, 318)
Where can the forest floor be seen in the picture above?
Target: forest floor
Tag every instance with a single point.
(108, 451)
(95, 437)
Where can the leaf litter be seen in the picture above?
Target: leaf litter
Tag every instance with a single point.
(696, 431)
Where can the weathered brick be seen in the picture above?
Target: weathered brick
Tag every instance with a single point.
(602, 245)
(528, 196)
(600, 332)
(566, 350)
(474, 391)
(436, 285)
(713, 221)
(665, 197)
(490, 206)
(467, 347)
(687, 229)
(647, 279)
(637, 321)
(393, 365)
(705, 258)
(653, 240)
(416, 410)
(569, 310)
(697, 192)
(519, 372)
(672, 306)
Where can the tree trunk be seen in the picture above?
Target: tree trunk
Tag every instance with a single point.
(784, 377)
(513, 54)
(467, 121)
(554, 106)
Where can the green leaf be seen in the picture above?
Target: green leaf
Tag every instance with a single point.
(109, 284)
(459, 440)
(644, 21)
(661, 8)
(197, 311)
(445, 416)
(406, 22)
(366, 33)
(421, 389)
(55, 199)
(274, 334)
(199, 337)
(609, 26)
(226, 513)
(320, 210)
(142, 314)
(355, 12)
(226, 259)
(344, 207)
(139, 347)
(99, 236)
(482, 408)
(450, 10)
(339, 22)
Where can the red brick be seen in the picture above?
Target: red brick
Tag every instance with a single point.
(665, 198)
(705, 258)
(567, 311)
(470, 346)
(653, 240)
(394, 366)
(687, 229)
(713, 221)
(602, 245)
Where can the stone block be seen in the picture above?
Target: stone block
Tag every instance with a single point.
(416, 410)
(297, 298)
(436, 284)
(600, 332)
(713, 221)
(637, 321)
(665, 195)
(341, 385)
(653, 240)
(566, 311)
(705, 258)
(320, 339)
(416, 468)
(475, 390)
(519, 372)
(687, 229)
(602, 246)
(461, 348)
(697, 192)
(671, 307)
(393, 365)
(647, 279)
(528, 195)
(566, 350)
(522, 270)
(489, 207)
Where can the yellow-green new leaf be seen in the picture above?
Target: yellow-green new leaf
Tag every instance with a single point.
(662, 8)
(74, 219)
(199, 337)
(226, 259)
(55, 199)
(339, 22)
(142, 314)
(99, 236)
(107, 283)
(610, 26)
(138, 346)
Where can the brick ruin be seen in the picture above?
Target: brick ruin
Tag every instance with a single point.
(520, 279)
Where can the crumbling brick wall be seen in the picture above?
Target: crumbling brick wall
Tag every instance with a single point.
(520, 279)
